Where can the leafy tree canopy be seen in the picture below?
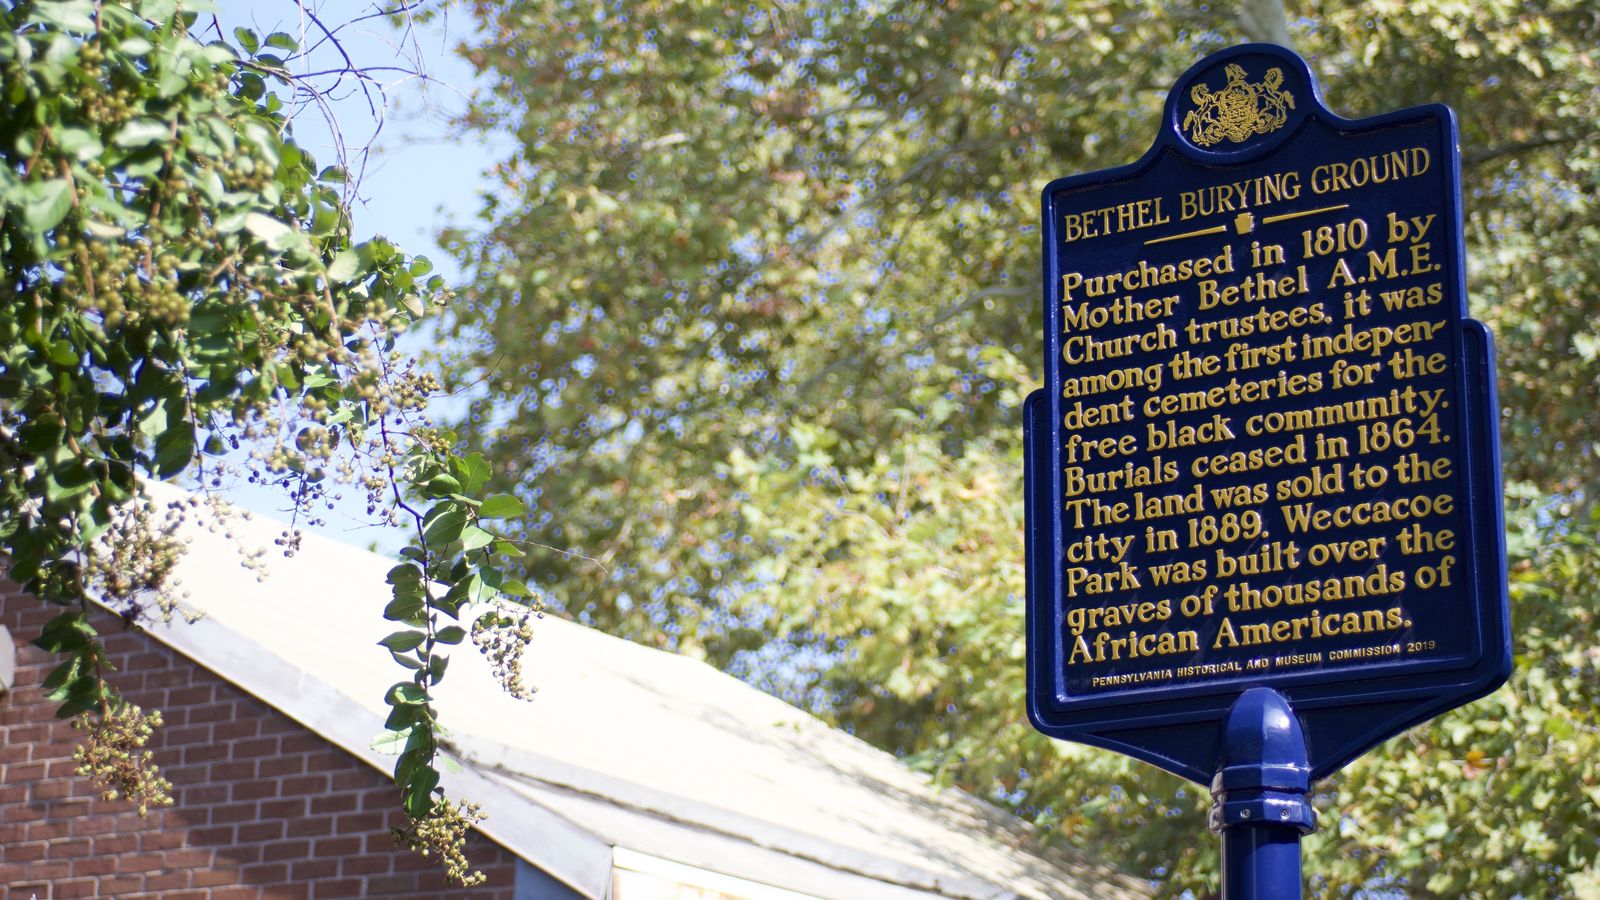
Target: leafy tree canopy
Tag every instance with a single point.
(758, 300)
(180, 282)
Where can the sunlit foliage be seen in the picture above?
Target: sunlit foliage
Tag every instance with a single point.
(757, 299)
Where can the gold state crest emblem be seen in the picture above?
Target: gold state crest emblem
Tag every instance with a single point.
(1239, 110)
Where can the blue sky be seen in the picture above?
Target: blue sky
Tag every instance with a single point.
(421, 172)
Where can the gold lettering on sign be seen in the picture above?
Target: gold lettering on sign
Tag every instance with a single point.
(1255, 435)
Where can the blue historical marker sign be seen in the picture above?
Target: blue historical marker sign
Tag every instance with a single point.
(1266, 453)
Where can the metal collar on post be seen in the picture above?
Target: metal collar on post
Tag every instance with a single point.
(1259, 804)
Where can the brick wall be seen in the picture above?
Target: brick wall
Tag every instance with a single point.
(265, 808)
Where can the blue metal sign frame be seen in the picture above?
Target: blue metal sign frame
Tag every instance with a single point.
(1215, 186)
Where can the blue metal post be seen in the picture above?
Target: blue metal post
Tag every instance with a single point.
(1258, 798)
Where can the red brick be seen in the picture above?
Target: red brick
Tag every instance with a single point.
(47, 831)
(95, 865)
(212, 712)
(243, 853)
(188, 858)
(139, 862)
(71, 809)
(333, 803)
(367, 864)
(234, 770)
(73, 887)
(228, 756)
(259, 789)
(223, 815)
(346, 887)
(288, 808)
(68, 849)
(53, 871)
(309, 869)
(29, 773)
(321, 826)
(305, 784)
(156, 841)
(344, 781)
(266, 873)
(183, 737)
(301, 742)
(185, 776)
(236, 729)
(276, 724)
(207, 837)
(25, 812)
(205, 794)
(278, 765)
(92, 825)
(214, 877)
(288, 850)
(359, 823)
(157, 679)
(18, 853)
(166, 881)
(206, 752)
(194, 695)
(115, 844)
(260, 832)
(341, 846)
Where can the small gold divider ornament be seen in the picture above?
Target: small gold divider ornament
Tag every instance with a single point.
(1268, 220)
(1245, 222)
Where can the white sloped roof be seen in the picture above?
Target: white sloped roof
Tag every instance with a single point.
(626, 753)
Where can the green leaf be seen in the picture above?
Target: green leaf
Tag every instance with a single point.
(401, 641)
(442, 486)
(346, 266)
(393, 743)
(404, 573)
(67, 631)
(266, 228)
(406, 660)
(502, 506)
(247, 39)
(444, 524)
(450, 634)
(437, 663)
(472, 471)
(419, 800)
(175, 449)
(473, 537)
(47, 204)
(61, 675)
(406, 694)
(158, 11)
(79, 143)
(282, 41)
(71, 15)
(62, 353)
(142, 133)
